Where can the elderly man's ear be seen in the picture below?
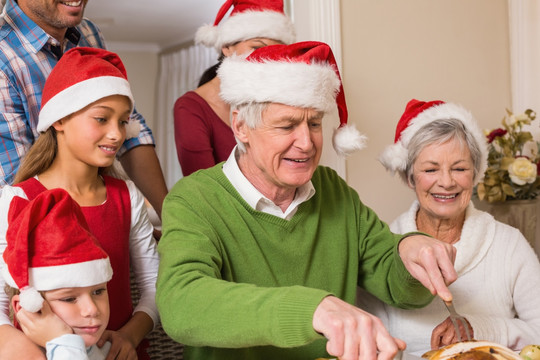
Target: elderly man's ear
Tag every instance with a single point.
(239, 128)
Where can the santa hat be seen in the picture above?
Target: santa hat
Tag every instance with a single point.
(49, 246)
(303, 75)
(82, 76)
(420, 113)
(249, 19)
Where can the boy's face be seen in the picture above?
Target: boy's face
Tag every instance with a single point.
(84, 309)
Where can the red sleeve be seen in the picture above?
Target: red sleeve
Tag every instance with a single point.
(192, 134)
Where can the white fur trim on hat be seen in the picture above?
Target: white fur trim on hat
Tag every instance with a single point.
(81, 274)
(30, 300)
(348, 139)
(290, 83)
(394, 157)
(80, 95)
(247, 25)
(207, 35)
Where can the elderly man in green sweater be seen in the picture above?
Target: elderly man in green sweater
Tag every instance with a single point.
(261, 255)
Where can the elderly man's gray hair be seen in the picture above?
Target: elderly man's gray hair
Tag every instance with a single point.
(251, 114)
(439, 132)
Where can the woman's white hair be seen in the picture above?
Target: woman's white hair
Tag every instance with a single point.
(440, 132)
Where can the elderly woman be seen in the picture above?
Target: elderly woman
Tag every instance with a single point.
(440, 153)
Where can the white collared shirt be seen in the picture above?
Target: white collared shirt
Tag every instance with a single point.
(254, 197)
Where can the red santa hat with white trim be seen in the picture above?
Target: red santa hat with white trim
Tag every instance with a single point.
(418, 114)
(49, 246)
(81, 77)
(303, 74)
(249, 19)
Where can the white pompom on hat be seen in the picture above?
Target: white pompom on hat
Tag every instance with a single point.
(249, 19)
(49, 246)
(418, 114)
(82, 76)
(302, 74)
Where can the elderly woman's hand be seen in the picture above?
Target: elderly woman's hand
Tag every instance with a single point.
(431, 262)
(445, 333)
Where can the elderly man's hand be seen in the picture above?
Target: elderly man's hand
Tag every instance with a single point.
(431, 262)
(353, 333)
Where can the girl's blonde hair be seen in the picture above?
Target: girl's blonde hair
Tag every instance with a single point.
(41, 156)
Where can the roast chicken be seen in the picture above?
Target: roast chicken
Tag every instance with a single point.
(479, 350)
(473, 350)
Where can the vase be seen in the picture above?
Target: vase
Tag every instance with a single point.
(521, 214)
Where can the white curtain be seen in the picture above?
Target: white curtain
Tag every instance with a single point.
(179, 72)
(320, 20)
(524, 29)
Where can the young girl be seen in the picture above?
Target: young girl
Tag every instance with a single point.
(86, 105)
(69, 269)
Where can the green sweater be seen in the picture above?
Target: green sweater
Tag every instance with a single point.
(236, 283)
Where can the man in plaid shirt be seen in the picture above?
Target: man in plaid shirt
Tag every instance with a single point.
(33, 35)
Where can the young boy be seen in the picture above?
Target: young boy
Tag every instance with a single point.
(60, 274)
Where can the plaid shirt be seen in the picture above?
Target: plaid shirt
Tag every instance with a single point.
(26, 59)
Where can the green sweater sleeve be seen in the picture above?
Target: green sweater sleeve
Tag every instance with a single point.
(382, 271)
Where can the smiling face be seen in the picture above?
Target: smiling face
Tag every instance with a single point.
(84, 309)
(443, 179)
(283, 151)
(54, 16)
(94, 134)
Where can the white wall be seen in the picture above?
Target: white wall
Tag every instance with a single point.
(142, 71)
(524, 34)
(394, 51)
